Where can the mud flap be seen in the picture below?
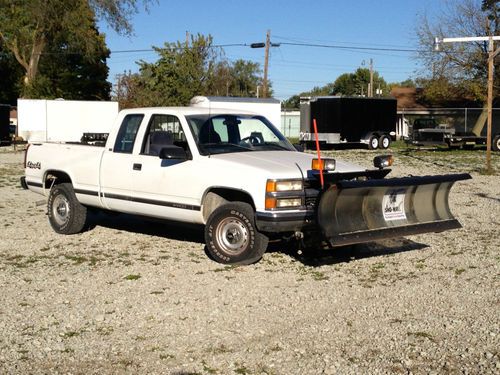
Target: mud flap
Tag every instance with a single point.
(352, 212)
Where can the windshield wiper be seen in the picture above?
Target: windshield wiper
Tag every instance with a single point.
(225, 144)
(272, 144)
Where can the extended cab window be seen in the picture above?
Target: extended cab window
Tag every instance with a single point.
(163, 131)
(127, 133)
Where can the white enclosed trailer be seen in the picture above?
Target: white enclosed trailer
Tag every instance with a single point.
(63, 120)
(268, 107)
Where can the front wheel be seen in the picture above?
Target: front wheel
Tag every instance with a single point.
(231, 236)
(66, 214)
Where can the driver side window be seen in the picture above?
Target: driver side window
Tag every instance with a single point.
(163, 130)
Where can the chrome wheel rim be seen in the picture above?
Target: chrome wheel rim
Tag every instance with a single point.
(60, 209)
(232, 235)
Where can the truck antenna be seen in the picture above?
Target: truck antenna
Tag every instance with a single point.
(319, 154)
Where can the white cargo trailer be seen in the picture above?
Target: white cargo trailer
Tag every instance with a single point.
(270, 108)
(63, 120)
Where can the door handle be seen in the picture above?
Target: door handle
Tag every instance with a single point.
(137, 167)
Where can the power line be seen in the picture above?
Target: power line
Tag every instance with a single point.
(349, 47)
(306, 40)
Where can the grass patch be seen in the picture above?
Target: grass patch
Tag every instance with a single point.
(422, 335)
(226, 268)
(132, 277)
(70, 334)
(459, 271)
(76, 259)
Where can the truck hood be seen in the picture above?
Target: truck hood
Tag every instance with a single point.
(282, 164)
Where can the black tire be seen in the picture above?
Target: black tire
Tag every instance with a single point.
(384, 142)
(231, 236)
(66, 214)
(495, 145)
(373, 142)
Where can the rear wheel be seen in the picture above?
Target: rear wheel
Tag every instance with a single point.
(384, 142)
(496, 143)
(66, 214)
(373, 143)
(231, 236)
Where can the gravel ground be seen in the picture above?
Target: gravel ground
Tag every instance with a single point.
(129, 296)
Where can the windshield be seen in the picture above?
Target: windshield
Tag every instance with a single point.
(219, 134)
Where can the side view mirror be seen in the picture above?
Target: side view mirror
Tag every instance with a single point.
(298, 147)
(173, 153)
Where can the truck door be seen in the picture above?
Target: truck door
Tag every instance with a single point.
(160, 186)
(118, 167)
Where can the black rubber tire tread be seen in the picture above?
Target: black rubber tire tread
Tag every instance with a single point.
(370, 143)
(77, 212)
(381, 142)
(258, 242)
(495, 145)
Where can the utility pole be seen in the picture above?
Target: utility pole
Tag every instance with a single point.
(266, 45)
(187, 38)
(266, 63)
(370, 91)
(491, 56)
(492, 53)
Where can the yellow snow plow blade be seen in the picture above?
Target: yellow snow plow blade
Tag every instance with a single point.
(352, 212)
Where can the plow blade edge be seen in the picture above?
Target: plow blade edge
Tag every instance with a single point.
(352, 212)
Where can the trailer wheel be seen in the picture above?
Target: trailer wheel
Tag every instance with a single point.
(495, 146)
(66, 214)
(373, 143)
(231, 236)
(384, 142)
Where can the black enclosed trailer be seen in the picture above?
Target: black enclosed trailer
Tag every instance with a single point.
(5, 137)
(348, 121)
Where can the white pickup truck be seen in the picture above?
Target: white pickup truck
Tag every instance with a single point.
(238, 175)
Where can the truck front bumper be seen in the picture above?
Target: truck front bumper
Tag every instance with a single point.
(280, 222)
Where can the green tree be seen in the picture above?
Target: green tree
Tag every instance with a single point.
(294, 101)
(11, 75)
(27, 27)
(181, 72)
(346, 85)
(245, 78)
(353, 84)
(240, 78)
(130, 91)
(72, 75)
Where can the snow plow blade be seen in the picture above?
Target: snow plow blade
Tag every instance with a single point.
(351, 212)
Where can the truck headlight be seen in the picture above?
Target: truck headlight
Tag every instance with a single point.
(284, 194)
(274, 203)
(274, 186)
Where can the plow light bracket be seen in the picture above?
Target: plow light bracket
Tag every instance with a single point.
(383, 161)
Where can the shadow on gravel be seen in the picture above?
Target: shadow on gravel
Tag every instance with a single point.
(195, 233)
(482, 195)
(345, 254)
(138, 224)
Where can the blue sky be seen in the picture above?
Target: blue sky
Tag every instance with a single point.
(292, 69)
